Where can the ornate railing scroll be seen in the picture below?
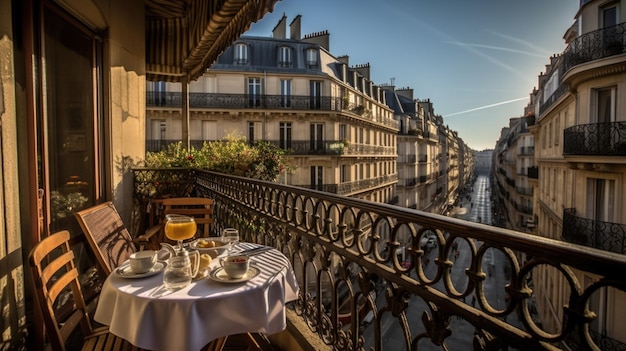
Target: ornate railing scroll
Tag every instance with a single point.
(376, 276)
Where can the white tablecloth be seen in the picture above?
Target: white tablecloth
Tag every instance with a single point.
(143, 312)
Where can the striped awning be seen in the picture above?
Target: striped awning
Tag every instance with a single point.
(184, 37)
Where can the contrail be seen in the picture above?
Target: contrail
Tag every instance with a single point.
(486, 106)
(499, 48)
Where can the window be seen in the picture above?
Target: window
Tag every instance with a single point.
(557, 130)
(285, 135)
(255, 131)
(344, 173)
(315, 91)
(209, 130)
(241, 54)
(600, 199)
(71, 149)
(317, 137)
(284, 56)
(285, 92)
(343, 132)
(254, 92)
(609, 16)
(317, 178)
(605, 105)
(311, 58)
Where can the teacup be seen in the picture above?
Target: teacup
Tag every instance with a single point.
(235, 266)
(143, 261)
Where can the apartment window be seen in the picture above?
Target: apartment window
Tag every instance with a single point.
(317, 137)
(344, 173)
(605, 105)
(285, 135)
(557, 130)
(600, 199)
(255, 131)
(343, 132)
(317, 178)
(285, 92)
(609, 16)
(209, 130)
(315, 93)
(550, 134)
(241, 54)
(311, 58)
(284, 56)
(611, 35)
(254, 92)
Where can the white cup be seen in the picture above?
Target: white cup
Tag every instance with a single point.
(143, 261)
(235, 266)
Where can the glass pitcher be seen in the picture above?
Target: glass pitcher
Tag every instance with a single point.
(180, 269)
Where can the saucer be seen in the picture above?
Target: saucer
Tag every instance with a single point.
(125, 271)
(219, 275)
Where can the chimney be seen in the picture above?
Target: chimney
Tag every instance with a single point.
(320, 38)
(294, 28)
(280, 31)
(363, 69)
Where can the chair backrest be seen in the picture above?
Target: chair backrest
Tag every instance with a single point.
(109, 239)
(55, 276)
(198, 207)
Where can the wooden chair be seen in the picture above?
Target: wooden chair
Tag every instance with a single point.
(109, 239)
(198, 207)
(55, 275)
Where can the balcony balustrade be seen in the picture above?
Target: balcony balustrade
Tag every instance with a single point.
(597, 139)
(527, 151)
(264, 101)
(406, 159)
(365, 283)
(605, 42)
(593, 233)
(297, 147)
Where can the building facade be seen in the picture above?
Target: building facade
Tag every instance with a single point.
(292, 92)
(580, 150)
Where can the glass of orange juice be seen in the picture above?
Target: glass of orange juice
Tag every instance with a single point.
(179, 228)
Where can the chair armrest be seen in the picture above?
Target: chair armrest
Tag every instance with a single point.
(150, 239)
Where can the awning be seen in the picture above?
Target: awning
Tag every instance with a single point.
(184, 37)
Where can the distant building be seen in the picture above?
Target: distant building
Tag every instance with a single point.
(294, 93)
(579, 180)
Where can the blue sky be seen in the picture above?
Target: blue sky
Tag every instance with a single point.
(476, 60)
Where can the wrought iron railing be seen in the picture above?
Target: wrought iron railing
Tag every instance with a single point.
(595, 45)
(603, 139)
(593, 233)
(369, 280)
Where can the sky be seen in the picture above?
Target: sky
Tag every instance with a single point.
(476, 60)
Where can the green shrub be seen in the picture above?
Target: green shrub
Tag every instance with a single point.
(260, 160)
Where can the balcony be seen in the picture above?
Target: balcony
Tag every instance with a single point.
(595, 45)
(595, 139)
(358, 293)
(605, 236)
(156, 99)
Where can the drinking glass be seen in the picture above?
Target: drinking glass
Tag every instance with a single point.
(179, 228)
(230, 236)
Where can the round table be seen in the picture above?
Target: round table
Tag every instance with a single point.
(148, 315)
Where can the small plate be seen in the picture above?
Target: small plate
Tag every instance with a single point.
(124, 271)
(219, 275)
